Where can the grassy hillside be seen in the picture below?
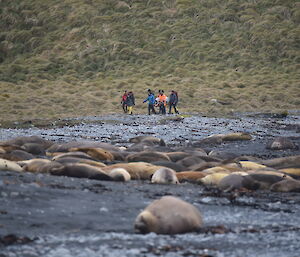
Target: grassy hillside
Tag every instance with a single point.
(64, 58)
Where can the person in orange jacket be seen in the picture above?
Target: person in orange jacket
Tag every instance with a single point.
(162, 102)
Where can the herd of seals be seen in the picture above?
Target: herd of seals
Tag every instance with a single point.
(149, 158)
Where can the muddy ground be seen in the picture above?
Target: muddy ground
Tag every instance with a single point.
(44, 215)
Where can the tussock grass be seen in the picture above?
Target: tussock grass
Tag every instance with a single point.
(75, 57)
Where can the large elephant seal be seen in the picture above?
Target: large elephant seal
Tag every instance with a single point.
(60, 155)
(190, 176)
(213, 179)
(81, 171)
(147, 157)
(283, 162)
(168, 215)
(70, 160)
(119, 174)
(7, 165)
(64, 147)
(286, 185)
(31, 139)
(40, 165)
(96, 153)
(17, 155)
(281, 143)
(231, 182)
(152, 139)
(261, 181)
(164, 176)
(219, 138)
(137, 170)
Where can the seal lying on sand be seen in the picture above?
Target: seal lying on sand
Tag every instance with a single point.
(168, 215)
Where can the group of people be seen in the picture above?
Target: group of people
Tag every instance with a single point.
(161, 101)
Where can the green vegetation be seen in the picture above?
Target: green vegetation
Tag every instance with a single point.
(64, 58)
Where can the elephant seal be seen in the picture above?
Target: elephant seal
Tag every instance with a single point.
(261, 181)
(82, 155)
(137, 170)
(286, 185)
(7, 165)
(96, 153)
(34, 148)
(248, 165)
(17, 155)
(70, 160)
(283, 162)
(31, 139)
(40, 165)
(176, 156)
(81, 144)
(152, 139)
(119, 174)
(168, 215)
(164, 176)
(281, 143)
(231, 182)
(147, 157)
(81, 171)
(213, 179)
(189, 176)
(220, 138)
(291, 171)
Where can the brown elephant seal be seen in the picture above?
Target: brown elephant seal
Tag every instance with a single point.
(286, 185)
(291, 171)
(164, 176)
(152, 139)
(147, 157)
(261, 181)
(34, 148)
(31, 139)
(220, 138)
(64, 147)
(70, 160)
(189, 176)
(119, 174)
(281, 143)
(176, 156)
(168, 215)
(17, 155)
(96, 153)
(223, 155)
(283, 162)
(137, 170)
(81, 170)
(6, 165)
(82, 155)
(40, 165)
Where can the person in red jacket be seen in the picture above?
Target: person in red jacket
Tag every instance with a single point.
(123, 102)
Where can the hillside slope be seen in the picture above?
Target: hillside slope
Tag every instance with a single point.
(75, 57)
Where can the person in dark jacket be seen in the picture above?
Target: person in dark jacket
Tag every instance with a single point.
(130, 102)
(123, 102)
(173, 100)
(151, 101)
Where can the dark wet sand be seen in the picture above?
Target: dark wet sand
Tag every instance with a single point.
(80, 217)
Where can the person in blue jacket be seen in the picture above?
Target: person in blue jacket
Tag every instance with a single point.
(151, 102)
